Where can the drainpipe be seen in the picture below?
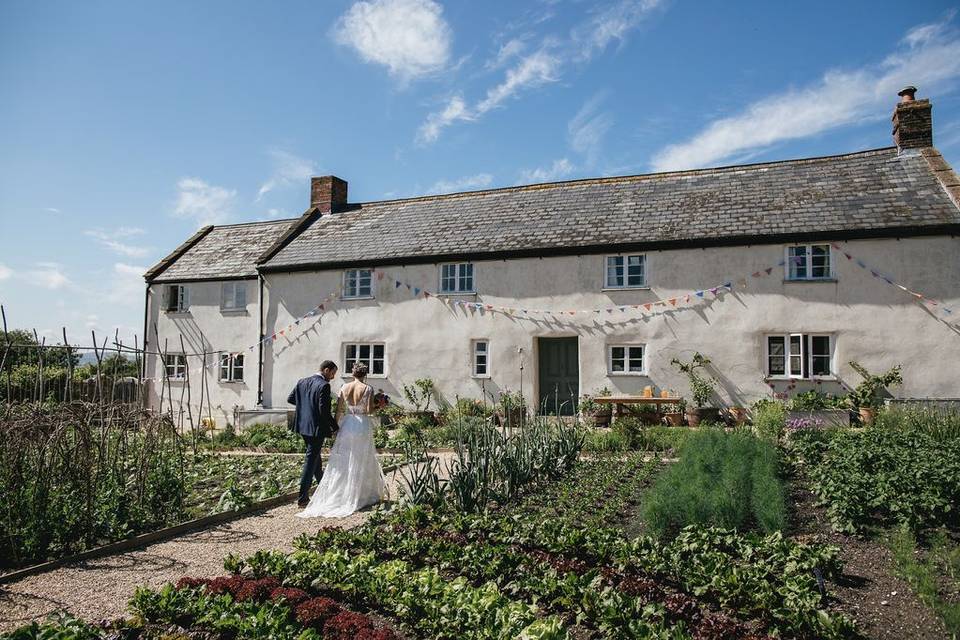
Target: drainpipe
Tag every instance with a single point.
(260, 344)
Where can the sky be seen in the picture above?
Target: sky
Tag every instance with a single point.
(125, 126)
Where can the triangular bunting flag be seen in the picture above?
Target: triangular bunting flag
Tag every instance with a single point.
(755, 274)
(416, 291)
(398, 284)
(848, 256)
(647, 306)
(699, 294)
(673, 301)
(687, 298)
(769, 270)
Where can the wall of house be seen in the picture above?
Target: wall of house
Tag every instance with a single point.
(203, 327)
(873, 322)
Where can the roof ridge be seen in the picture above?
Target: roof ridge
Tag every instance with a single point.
(624, 178)
(253, 222)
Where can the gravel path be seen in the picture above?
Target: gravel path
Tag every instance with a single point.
(100, 588)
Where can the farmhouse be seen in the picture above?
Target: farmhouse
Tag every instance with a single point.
(781, 273)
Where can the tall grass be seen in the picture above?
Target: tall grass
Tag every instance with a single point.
(729, 480)
(941, 423)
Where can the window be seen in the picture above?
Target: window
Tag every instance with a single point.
(456, 278)
(358, 283)
(373, 355)
(481, 359)
(625, 359)
(175, 365)
(624, 272)
(809, 262)
(800, 355)
(233, 296)
(231, 367)
(178, 298)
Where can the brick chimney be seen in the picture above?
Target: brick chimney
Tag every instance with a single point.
(912, 121)
(328, 193)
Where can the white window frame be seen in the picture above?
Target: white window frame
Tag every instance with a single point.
(625, 257)
(353, 276)
(475, 353)
(348, 367)
(789, 264)
(806, 359)
(233, 296)
(228, 364)
(626, 359)
(459, 268)
(183, 298)
(178, 367)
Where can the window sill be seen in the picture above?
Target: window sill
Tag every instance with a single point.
(234, 312)
(639, 288)
(172, 380)
(627, 374)
(231, 382)
(370, 376)
(484, 377)
(177, 313)
(351, 298)
(831, 378)
(807, 280)
(454, 294)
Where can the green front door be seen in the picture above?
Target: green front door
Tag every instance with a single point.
(559, 375)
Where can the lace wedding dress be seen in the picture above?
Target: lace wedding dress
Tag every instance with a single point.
(353, 478)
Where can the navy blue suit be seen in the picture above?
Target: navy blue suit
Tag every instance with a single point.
(314, 422)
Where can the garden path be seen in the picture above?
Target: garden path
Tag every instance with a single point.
(99, 588)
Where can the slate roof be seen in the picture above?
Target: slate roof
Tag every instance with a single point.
(864, 194)
(843, 195)
(227, 251)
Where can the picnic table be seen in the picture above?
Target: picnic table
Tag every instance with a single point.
(619, 402)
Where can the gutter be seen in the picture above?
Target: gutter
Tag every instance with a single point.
(146, 320)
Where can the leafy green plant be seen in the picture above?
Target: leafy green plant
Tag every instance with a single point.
(701, 387)
(420, 393)
(769, 419)
(867, 393)
(814, 400)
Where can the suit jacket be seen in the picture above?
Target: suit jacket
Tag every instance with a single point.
(311, 397)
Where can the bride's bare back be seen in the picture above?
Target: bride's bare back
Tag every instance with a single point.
(352, 393)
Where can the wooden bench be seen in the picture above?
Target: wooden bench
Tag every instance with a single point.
(619, 402)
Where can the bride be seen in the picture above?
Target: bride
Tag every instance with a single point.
(353, 478)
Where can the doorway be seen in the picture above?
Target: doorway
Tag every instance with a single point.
(558, 371)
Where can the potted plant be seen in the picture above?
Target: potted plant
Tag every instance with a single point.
(419, 395)
(865, 398)
(648, 414)
(701, 389)
(511, 409)
(675, 418)
(599, 413)
(816, 406)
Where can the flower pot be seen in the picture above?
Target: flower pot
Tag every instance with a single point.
(674, 419)
(600, 417)
(696, 415)
(867, 415)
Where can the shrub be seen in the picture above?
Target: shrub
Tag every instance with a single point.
(769, 419)
(727, 480)
(814, 400)
(597, 441)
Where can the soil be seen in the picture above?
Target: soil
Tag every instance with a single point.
(883, 605)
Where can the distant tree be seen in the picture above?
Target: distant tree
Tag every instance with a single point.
(114, 364)
(25, 352)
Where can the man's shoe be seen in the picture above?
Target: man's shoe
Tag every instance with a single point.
(302, 503)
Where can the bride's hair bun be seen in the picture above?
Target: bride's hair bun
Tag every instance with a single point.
(360, 370)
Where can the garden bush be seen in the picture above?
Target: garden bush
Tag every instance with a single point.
(729, 480)
(769, 419)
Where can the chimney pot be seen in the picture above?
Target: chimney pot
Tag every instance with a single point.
(912, 121)
(328, 194)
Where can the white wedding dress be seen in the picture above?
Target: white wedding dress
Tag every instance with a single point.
(353, 478)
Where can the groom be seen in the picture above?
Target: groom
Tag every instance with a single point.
(313, 421)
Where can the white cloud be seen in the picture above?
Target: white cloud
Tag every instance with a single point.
(48, 275)
(467, 183)
(114, 241)
(559, 169)
(588, 128)
(126, 284)
(202, 202)
(613, 23)
(508, 51)
(409, 37)
(536, 69)
(928, 56)
(288, 169)
(52, 209)
(5, 272)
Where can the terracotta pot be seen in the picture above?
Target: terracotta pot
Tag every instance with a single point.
(867, 415)
(674, 419)
(696, 415)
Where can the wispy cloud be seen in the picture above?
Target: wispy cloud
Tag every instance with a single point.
(544, 65)
(51, 210)
(588, 127)
(467, 183)
(288, 169)
(126, 284)
(927, 56)
(533, 70)
(114, 240)
(48, 275)
(558, 170)
(5, 272)
(409, 37)
(202, 202)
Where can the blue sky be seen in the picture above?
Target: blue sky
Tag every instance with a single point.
(125, 126)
